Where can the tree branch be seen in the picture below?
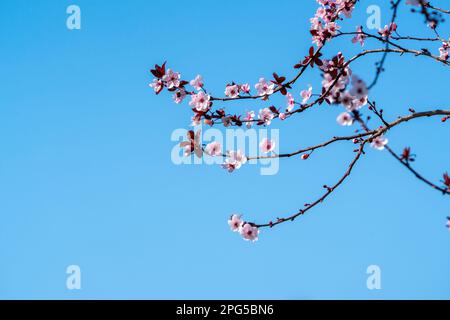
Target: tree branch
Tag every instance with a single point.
(292, 217)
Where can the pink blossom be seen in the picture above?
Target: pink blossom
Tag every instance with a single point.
(329, 81)
(197, 83)
(321, 13)
(290, 102)
(348, 101)
(388, 30)
(265, 116)
(346, 8)
(306, 94)
(448, 223)
(267, 145)
(444, 51)
(264, 88)
(317, 30)
(245, 88)
(179, 96)
(379, 142)
(238, 156)
(332, 28)
(359, 89)
(200, 101)
(157, 85)
(249, 232)
(171, 79)
(234, 160)
(335, 90)
(249, 118)
(232, 91)
(321, 32)
(192, 144)
(323, 26)
(282, 116)
(345, 119)
(235, 222)
(359, 102)
(214, 149)
(359, 37)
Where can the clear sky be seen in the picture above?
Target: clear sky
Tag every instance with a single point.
(86, 176)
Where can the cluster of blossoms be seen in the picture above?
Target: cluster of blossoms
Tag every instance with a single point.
(339, 87)
(323, 24)
(266, 115)
(336, 78)
(246, 230)
(201, 102)
(233, 90)
(170, 80)
(235, 159)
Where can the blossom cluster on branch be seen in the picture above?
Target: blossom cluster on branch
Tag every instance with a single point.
(340, 86)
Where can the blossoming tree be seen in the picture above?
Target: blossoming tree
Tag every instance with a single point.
(339, 87)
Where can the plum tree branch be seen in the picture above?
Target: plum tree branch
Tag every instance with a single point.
(418, 175)
(372, 133)
(336, 89)
(330, 190)
(404, 162)
(380, 64)
(428, 5)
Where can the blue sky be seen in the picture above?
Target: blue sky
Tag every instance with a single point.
(87, 179)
